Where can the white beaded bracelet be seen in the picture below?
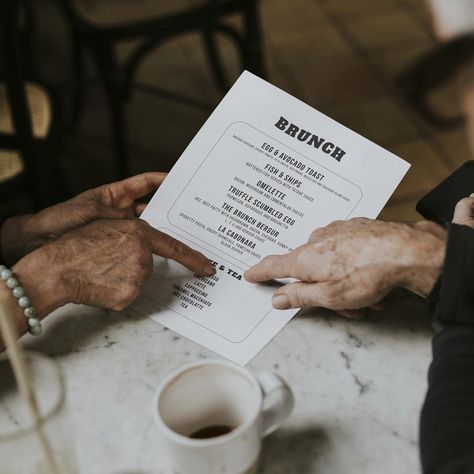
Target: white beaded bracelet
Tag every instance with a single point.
(34, 323)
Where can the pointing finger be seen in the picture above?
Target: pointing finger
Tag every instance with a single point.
(166, 246)
(271, 267)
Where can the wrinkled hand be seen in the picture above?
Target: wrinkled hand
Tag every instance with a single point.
(103, 263)
(354, 264)
(119, 200)
(464, 212)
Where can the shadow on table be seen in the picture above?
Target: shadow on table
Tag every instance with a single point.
(71, 330)
(293, 452)
(403, 313)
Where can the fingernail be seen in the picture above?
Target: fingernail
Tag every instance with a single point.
(281, 302)
(209, 270)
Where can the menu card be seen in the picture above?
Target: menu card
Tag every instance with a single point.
(263, 172)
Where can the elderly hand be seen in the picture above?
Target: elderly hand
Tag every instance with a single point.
(354, 264)
(464, 212)
(103, 263)
(23, 234)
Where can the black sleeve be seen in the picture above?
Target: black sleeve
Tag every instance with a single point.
(447, 418)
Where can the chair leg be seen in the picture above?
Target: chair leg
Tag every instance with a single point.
(254, 41)
(78, 80)
(52, 177)
(110, 77)
(215, 60)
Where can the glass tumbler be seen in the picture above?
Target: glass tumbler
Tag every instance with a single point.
(22, 446)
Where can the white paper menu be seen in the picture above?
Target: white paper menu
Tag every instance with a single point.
(263, 172)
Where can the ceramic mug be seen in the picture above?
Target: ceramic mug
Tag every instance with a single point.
(213, 414)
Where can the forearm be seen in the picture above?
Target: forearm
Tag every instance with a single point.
(37, 275)
(422, 257)
(447, 419)
(18, 237)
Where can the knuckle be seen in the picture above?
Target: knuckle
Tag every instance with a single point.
(138, 269)
(300, 298)
(134, 269)
(136, 225)
(119, 304)
(92, 209)
(317, 233)
(302, 255)
(128, 294)
(144, 259)
(330, 297)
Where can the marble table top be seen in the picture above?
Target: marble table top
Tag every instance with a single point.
(359, 387)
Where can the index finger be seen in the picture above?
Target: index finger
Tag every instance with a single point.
(166, 246)
(272, 267)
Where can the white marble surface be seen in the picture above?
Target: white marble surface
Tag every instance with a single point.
(359, 387)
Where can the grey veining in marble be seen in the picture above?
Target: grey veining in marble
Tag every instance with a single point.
(359, 387)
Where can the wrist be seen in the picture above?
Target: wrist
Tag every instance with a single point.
(422, 262)
(40, 277)
(7, 298)
(18, 237)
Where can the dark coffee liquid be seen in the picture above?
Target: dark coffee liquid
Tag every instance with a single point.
(211, 432)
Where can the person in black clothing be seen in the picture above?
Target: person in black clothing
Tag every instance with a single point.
(350, 266)
(447, 418)
(92, 249)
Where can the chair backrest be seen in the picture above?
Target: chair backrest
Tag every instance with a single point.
(11, 59)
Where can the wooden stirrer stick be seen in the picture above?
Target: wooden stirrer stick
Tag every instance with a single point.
(20, 370)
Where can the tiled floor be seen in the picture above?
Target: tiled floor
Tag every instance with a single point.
(340, 56)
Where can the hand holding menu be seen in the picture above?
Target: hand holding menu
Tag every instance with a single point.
(262, 173)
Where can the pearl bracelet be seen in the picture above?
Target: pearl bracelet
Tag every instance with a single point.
(34, 323)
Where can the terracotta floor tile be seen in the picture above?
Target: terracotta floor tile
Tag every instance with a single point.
(426, 172)
(388, 30)
(348, 7)
(340, 81)
(392, 63)
(290, 14)
(308, 44)
(377, 119)
(418, 5)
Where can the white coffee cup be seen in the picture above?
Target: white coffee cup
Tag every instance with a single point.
(216, 393)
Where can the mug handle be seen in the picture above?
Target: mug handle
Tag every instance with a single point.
(278, 401)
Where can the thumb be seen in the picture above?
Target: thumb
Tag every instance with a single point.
(464, 211)
(139, 208)
(306, 295)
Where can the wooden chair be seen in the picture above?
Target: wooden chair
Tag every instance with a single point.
(99, 25)
(431, 71)
(29, 143)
